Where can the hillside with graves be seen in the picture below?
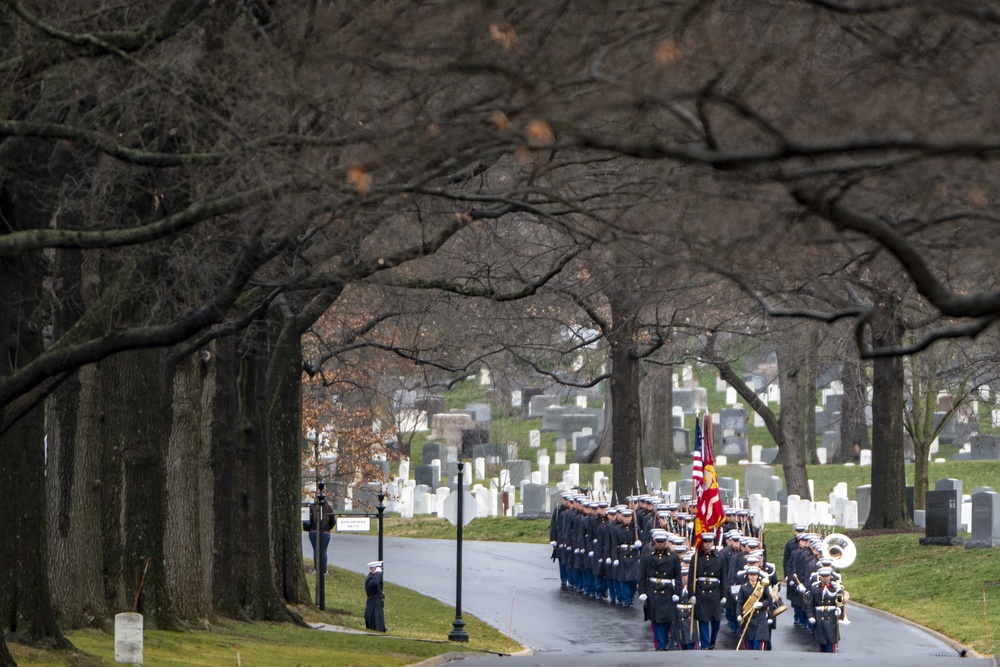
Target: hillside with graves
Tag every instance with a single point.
(518, 464)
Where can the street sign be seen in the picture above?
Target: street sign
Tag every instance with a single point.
(353, 524)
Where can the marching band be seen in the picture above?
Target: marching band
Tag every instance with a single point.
(643, 552)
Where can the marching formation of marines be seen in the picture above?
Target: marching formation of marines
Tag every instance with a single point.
(642, 553)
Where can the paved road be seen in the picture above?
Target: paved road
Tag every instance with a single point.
(515, 588)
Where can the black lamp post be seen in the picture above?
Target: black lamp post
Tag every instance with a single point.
(319, 551)
(458, 633)
(381, 509)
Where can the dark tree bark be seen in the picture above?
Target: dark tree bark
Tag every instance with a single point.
(243, 580)
(810, 373)
(136, 405)
(888, 509)
(791, 376)
(189, 526)
(26, 611)
(284, 437)
(656, 392)
(853, 423)
(626, 417)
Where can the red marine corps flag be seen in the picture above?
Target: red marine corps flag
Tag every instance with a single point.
(710, 514)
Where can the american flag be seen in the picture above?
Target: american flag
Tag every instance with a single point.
(710, 514)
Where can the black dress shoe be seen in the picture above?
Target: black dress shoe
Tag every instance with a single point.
(711, 647)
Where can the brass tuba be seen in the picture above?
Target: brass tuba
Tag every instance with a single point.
(840, 549)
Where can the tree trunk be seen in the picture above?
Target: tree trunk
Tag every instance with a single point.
(807, 385)
(243, 580)
(626, 417)
(136, 405)
(26, 610)
(656, 393)
(189, 527)
(888, 506)
(284, 443)
(74, 481)
(792, 449)
(73, 486)
(853, 423)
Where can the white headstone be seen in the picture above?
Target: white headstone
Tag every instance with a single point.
(851, 515)
(581, 401)
(755, 451)
(480, 466)
(404, 469)
(543, 469)
(812, 490)
(677, 411)
(406, 502)
(773, 394)
(605, 460)
(935, 447)
(758, 421)
(730, 396)
(866, 457)
(535, 438)
(574, 470)
(721, 460)
(536, 477)
(481, 494)
(672, 491)
(128, 638)
(485, 378)
(821, 455)
(996, 417)
(966, 518)
(792, 515)
(720, 385)
(516, 398)
(560, 458)
(686, 374)
(773, 513)
(598, 476)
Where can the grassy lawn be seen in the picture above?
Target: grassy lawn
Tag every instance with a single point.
(418, 629)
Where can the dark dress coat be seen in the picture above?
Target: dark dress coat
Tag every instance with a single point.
(660, 580)
(709, 577)
(375, 607)
(755, 622)
(821, 604)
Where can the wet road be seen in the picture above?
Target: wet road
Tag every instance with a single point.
(515, 588)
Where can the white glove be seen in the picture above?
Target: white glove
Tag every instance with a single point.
(770, 621)
(812, 621)
(642, 598)
(758, 605)
(802, 589)
(676, 598)
(638, 544)
(734, 589)
(739, 619)
(595, 541)
(692, 600)
(615, 563)
(722, 601)
(836, 612)
(607, 561)
(590, 554)
(552, 543)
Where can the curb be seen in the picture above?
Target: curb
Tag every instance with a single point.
(954, 645)
(456, 656)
